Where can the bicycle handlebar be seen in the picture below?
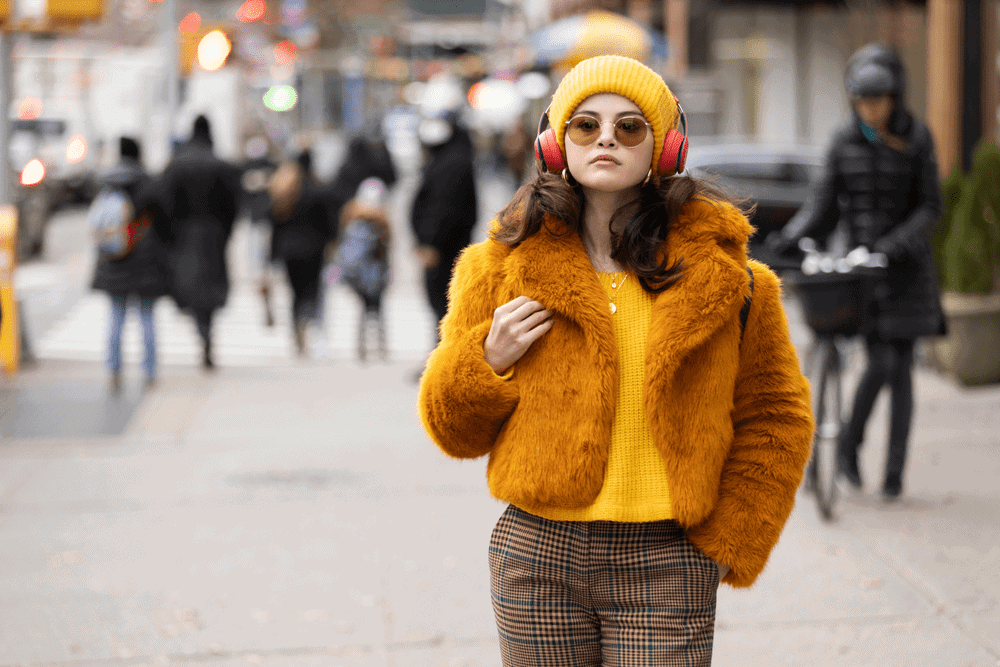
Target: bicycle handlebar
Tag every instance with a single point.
(818, 262)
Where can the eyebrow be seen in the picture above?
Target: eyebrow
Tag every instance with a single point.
(623, 114)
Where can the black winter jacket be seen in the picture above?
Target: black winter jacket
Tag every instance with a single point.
(143, 272)
(198, 198)
(890, 202)
(445, 208)
(308, 229)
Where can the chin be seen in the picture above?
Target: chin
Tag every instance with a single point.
(603, 184)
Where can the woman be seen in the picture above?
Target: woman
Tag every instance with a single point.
(881, 165)
(301, 231)
(648, 445)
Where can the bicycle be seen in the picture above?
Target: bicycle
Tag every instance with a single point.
(836, 295)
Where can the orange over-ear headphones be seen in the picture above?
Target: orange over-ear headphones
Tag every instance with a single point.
(672, 159)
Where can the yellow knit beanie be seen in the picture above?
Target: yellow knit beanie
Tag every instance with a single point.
(622, 76)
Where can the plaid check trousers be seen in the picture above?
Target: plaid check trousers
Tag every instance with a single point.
(600, 593)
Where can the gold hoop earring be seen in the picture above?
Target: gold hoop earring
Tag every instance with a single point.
(565, 176)
(649, 175)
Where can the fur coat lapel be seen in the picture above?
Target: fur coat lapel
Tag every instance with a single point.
(556, 272)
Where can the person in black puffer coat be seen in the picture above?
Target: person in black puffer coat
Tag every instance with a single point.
(881, 179)
(445, 208)
(142, 274)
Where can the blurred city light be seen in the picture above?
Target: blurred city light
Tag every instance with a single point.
(280, 98)
(33, 173)
(251, 10)
(213, 49)
(29, 108)
(285, 52)
(413, 92)
(76, 149)
(190, 23)
(534, 85)
(497, 102)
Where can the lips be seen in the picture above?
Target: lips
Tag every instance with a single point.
(601, 158)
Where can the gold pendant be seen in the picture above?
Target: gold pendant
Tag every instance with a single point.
(613, 308)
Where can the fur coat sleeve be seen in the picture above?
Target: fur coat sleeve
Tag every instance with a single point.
(773, 425)
(462, 402)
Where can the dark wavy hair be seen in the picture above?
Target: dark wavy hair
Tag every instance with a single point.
(639, 248)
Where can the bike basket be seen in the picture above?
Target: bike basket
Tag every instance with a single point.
(832, 303)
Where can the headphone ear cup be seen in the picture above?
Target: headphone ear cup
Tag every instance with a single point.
(674, 155)
(547, 152)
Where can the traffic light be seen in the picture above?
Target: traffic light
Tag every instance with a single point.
(206, 45)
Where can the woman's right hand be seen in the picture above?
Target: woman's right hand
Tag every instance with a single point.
(516, 325)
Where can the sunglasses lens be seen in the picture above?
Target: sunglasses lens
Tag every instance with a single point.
(583, 130)
(630, 131)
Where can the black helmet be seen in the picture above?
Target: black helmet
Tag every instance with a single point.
(869, 80)
(875, 69)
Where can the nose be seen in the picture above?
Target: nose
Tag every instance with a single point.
(607, 136)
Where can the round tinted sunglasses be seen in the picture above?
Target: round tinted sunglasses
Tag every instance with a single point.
(629, 131)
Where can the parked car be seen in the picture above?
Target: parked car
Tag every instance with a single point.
(51, 167)
(778, 178)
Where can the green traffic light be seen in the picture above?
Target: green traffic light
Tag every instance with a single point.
(280, 98)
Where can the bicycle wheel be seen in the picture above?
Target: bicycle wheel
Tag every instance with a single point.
(827, 400)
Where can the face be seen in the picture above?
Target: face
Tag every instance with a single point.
(606, 164)
(875, 111)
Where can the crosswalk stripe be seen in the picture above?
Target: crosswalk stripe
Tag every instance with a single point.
(239, 334)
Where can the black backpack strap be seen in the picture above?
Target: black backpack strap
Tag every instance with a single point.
(745, 311)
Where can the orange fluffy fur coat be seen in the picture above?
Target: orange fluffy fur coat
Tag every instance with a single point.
(732, 421)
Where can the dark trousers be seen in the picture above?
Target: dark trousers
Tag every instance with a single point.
(303, 277)
(889, 363)
(436, 280)
(592, 593)
(203, 319)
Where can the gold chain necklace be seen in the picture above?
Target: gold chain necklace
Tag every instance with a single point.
(616, 285)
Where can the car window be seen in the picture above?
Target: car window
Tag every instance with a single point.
(751, 171)
(804, 173)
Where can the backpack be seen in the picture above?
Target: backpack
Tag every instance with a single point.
(357, 258)
(114, 224)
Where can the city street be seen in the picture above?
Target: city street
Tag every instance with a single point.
(292, 512)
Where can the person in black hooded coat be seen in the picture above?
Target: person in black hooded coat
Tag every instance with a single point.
(198, 197)
(445, 209)
(142, 274)
(881, 179)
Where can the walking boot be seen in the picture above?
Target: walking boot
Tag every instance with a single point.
(847, 464)
(892, 488)
(300, 337)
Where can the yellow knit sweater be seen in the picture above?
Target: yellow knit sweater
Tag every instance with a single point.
(635, 482)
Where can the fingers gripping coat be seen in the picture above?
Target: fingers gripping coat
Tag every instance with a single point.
(732, 421)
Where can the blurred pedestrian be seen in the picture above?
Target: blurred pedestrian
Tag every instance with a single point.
(634, 385)
(363, 258)
(198, 195)
(141, 273)
(300, 233)
(445, 208)
(516, 147)
(261, 160)
(882, 178)
(366, 157)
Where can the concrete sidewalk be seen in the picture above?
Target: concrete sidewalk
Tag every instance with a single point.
(299, 516)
